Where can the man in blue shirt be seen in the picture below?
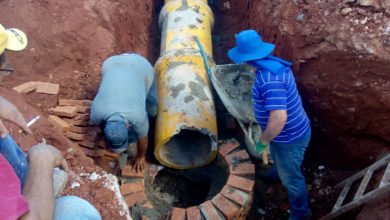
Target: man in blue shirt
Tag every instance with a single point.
(127, 96)
(278, 110)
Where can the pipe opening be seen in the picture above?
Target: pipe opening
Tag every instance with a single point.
(188, 148)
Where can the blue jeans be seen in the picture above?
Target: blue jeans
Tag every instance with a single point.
(15, 156)
(287, 166)
(74, 208)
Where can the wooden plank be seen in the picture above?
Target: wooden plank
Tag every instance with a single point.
(386, 176)
(363, 184)
(342, 196)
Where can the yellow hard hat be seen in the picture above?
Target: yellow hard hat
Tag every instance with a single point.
(12, 39)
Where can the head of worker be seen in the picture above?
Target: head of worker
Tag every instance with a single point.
(10, 39)
(249, 46)
(119, 133)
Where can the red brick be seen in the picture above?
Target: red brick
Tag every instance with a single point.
(76, 122)
(237, 157)
(47, 88)
(209, 211)
(134, 187)
(227, 207)
(244, 169)
(138, 197)
(178, 214)
(226, 148)
(193, 213)
(73, 102)
(84, 117)
(128, 171)
(65, 111)
(26, 87)
(75, 136)
(86, 144)
(57, 121)
(83, 109)
(77, 129)
(88, 152)
(237, 196)
(241, 183)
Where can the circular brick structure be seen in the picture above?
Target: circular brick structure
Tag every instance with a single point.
(232, 202)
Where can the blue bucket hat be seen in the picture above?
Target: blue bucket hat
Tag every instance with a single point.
(118, 133)
(249, 46)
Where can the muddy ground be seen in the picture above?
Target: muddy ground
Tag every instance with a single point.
(340, 50)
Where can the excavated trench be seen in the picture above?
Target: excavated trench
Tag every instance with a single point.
(343, 82)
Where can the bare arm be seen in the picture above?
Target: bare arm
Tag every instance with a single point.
(38, 188)
(10, 112)
(275, 125)
(142, 146)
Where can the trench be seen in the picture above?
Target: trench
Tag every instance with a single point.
(346, 95)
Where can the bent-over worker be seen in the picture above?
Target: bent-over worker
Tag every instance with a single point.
(126, 96)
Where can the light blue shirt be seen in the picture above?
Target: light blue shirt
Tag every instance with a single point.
(126, 81)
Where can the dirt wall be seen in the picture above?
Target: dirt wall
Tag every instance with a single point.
(340, 51)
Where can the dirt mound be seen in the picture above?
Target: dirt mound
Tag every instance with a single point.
(341, 53)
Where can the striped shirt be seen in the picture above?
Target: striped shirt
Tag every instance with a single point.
(279, 92)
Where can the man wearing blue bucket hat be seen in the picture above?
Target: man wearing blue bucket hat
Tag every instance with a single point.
(279, 112)
(127, 96)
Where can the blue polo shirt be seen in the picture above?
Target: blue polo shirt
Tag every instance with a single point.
(279, 92)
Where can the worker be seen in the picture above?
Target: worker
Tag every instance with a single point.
(125, 99)
(279, 112)
(32, 173)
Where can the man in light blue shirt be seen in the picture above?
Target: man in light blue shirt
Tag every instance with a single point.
(126, 96)
(279, 112)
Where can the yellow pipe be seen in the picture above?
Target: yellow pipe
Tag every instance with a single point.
(186, 127)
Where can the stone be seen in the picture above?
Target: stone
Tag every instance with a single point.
(57, 121)
(178, 214)
(346, 11)
(47, 88)
(64, 111)
(225, 206)
(241, 183)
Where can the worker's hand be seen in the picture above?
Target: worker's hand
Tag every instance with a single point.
(139, 164)
(47, 154)
(260, 146)
(10, 112)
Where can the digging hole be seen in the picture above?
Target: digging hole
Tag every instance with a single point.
(186, 188)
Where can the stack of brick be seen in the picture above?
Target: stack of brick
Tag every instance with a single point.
(72, 117)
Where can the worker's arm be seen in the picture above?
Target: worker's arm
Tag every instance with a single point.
(277, 120)
(38, 188)
(10, 112)
(142, 146)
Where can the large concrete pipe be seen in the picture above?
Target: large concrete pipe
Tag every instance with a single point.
(186, 127)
